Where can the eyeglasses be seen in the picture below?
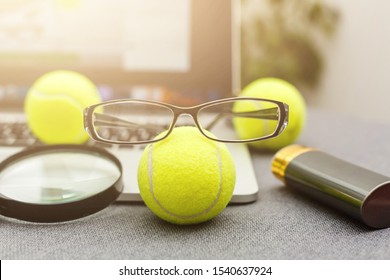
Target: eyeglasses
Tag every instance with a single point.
(134, 121)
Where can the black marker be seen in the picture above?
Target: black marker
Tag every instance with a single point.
(356, 191)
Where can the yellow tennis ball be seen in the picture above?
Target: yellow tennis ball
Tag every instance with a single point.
(276, 89)
(186, 178)
(54, 106)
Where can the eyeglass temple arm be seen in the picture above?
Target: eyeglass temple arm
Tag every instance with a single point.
(265, 114)
(107, 120)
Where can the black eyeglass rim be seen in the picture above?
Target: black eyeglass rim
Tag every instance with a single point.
(193, 111)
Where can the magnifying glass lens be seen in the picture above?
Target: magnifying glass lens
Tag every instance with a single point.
(58, 183)
(57, 177)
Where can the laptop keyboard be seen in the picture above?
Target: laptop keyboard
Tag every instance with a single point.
(15, 132)
(18, 134)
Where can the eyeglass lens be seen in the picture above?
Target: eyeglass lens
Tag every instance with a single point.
(135, 121)
(131, 121)
(247, 119)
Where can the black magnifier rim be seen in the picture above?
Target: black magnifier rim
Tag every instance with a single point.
(52, 213)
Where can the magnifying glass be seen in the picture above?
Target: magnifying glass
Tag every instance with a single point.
(58, 183)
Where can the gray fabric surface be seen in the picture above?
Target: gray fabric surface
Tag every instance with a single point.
(282, 224)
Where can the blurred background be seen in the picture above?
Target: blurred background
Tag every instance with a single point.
(170, 50)
(334, 51)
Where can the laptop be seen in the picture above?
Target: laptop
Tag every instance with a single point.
(184, 52)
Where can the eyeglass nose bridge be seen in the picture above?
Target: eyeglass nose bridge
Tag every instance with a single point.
(180, 111)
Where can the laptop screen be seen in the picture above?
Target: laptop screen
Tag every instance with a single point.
(177, 51)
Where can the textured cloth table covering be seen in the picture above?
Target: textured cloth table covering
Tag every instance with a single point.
(281, 224)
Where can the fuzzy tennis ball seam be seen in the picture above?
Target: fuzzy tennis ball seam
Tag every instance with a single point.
(54, 106)
(186, 178)
(274, 89)
(207, 210)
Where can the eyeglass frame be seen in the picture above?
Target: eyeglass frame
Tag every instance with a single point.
(193, 111)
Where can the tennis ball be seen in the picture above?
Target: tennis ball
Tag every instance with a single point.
(186, 178)
(54, 106)
(276, 89)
